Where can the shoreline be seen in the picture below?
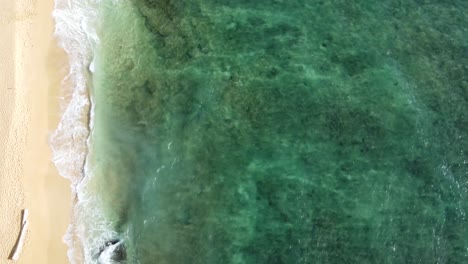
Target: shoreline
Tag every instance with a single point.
(35, 72)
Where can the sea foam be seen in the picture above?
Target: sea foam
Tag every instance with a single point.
(75, 28)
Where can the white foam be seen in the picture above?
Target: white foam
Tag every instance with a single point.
(75, 24)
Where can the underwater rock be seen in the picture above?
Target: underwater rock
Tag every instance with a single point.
(113, 251)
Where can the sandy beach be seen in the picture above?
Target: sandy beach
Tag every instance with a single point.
(31, 67)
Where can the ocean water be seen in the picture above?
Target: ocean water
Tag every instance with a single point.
(267, 131)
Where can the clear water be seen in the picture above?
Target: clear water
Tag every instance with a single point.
(276, 131)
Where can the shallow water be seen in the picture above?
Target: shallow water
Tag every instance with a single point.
(282, 131)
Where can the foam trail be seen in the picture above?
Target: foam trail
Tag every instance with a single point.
(75, 23)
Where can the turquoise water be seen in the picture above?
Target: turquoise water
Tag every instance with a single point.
(279, 131)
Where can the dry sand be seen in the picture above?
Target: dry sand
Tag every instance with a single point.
(31, 67)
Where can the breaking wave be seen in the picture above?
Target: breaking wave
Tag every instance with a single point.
(75, 30)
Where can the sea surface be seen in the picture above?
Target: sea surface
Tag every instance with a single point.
(266, 132)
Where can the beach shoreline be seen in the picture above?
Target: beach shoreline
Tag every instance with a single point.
(32, 68)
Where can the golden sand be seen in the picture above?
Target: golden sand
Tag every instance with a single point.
(31, 67)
